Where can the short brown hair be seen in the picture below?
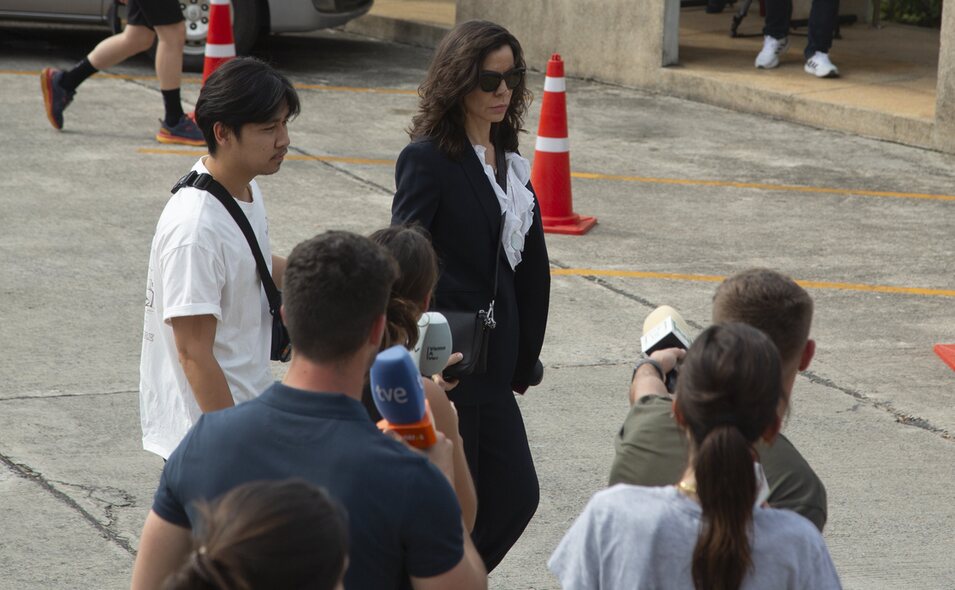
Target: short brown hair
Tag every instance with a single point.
(769, 301)
(336, 286)
(452, 75)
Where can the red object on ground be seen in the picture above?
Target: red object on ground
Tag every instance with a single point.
(220, 45)
(946, 352)
(550, 175)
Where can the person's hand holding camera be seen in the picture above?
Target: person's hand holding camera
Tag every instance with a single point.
(650, 374)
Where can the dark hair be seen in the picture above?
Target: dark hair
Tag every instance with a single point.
(452, 75)
(769, 301)
(336, 286)
(728, 393)
(417, 274)
(243, 90)
(264, 535)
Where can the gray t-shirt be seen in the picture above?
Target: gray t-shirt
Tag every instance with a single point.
(632, 537)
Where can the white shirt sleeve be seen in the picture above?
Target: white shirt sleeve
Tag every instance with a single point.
(192, 280)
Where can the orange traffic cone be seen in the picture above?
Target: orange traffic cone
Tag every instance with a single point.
(220, 46)
(946, 352)
(550, 175)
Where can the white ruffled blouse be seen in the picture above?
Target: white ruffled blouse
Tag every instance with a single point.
(517, 204)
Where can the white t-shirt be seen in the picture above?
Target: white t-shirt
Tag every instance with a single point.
(633, 537)
(200, 263)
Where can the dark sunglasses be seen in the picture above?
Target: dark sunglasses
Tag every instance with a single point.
(490, 81)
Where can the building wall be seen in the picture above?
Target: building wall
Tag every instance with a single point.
(618, 41)
(628, 42)
(944, 132)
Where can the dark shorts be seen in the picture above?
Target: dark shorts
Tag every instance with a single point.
(153, 13)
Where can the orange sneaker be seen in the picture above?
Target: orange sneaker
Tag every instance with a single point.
(185, 132)
(55, 98)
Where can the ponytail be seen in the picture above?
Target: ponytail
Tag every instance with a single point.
(202, 572)
(727, 397)
(402, 323)
(263, 535)
(418, 272)
(726, 487)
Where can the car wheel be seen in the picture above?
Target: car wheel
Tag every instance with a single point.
(248, 18)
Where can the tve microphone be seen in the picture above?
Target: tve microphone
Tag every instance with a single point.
(665, 328)
(434, 343)
(399, 396)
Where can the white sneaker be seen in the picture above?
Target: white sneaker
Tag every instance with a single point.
(768, 58)
(819, 65)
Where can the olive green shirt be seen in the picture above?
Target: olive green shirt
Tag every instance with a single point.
(651, 450)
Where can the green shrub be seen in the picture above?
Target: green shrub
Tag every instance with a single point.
(924, 13)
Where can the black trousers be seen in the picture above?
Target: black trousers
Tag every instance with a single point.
(822, 23)
(495, 444)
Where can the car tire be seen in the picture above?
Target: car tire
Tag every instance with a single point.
(249, 17)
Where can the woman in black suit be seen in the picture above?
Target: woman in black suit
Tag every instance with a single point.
(472, 106)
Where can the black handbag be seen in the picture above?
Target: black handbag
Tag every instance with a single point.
(281, 345)
(470, 331)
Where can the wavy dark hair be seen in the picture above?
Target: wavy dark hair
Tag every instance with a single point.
(452, 75)
(728, 394)
(417, 274)
(264, 535)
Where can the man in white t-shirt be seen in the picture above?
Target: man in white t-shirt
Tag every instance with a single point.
(207, 326)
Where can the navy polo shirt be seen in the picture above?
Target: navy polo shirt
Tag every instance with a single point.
(403, 516)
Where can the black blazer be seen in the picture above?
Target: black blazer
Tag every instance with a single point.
(455, 201)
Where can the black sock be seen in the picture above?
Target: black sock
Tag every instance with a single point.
(74, 77)
(173, 103)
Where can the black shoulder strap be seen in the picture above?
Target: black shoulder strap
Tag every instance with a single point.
(205, 182)
(501, 162)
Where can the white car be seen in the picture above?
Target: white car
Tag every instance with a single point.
(250, 18)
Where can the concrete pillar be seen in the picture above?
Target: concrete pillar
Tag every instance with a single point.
(944, 132)
(671, 32)
(617, 41)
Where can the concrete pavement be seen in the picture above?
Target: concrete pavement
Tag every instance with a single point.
(874, 415)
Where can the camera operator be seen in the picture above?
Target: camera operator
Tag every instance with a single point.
(650, 448)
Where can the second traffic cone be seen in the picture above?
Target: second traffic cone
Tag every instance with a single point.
(946, 352)
(220, 46)
(550, 175)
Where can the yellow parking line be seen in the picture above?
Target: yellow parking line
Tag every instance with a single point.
(762, 186)
(339, 159)
(298, 157)
(194, 80)
(593, 272)
(651, 180)
(359, 89)
(605, 272)
(99, 75)
(171, 152)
